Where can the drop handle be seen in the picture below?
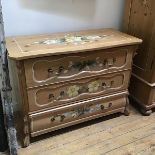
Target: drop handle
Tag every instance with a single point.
(50, 70)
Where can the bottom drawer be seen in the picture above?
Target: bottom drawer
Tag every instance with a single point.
(72, 114)
(142, 91)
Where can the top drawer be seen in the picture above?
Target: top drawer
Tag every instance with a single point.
(53, 69)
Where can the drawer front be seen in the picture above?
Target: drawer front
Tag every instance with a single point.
(65, 93)
(62, 68)
(58, 118)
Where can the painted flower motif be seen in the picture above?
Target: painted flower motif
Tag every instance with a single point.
(75, 114)
(93, 86)
(72, 39)
(73, 91)
(58, 118)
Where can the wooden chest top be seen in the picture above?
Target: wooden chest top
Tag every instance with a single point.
(24, 47)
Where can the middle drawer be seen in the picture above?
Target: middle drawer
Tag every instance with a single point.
(65, 93)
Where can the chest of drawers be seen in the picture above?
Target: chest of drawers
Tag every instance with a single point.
(63, 79)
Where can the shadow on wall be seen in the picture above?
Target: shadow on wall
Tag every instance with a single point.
(83, 9)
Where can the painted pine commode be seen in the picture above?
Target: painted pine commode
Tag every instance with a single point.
(67, 78)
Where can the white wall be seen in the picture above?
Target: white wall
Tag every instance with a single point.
(24, 17)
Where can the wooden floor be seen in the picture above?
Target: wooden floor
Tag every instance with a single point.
(114, 135)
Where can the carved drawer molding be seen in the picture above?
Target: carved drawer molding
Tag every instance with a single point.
(68, 67)
(64, 93)
(58, 118)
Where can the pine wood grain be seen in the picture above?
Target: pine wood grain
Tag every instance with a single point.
(132, 135)
(23, 47)
(139, 21)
